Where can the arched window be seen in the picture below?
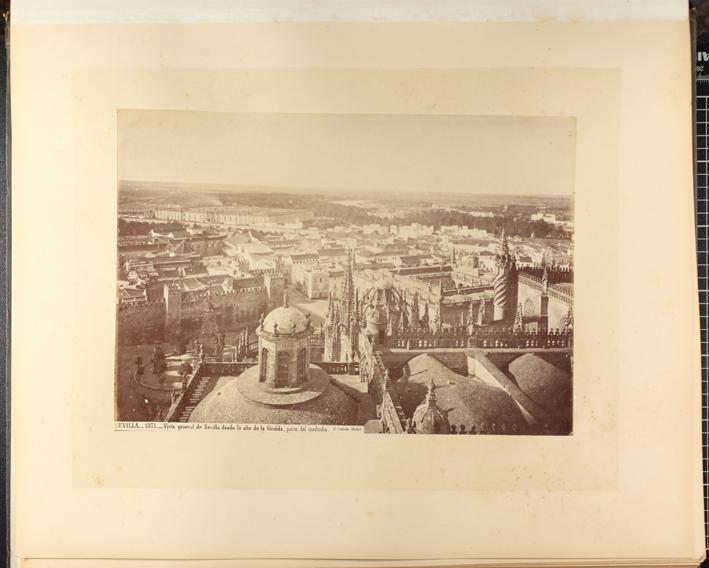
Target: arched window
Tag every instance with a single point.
(283, 362)
(263, 365)
(302, 364)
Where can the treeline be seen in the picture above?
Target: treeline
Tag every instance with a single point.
(315, 203)
(139, 228)
(514, 226)
(515, 220)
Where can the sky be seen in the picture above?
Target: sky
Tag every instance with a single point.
(369, 153)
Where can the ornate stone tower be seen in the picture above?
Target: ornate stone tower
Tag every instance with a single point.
(342, 323)
(284, 348)
(505, 283)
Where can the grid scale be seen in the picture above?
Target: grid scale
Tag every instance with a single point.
(702, 229)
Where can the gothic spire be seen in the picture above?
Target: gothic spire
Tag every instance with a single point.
(357, 314)
(545, 280)
(348, 291)
(414, 321)
(482, 311)
(437, 324)
(469, 320)
(519, 320)
(403, 323)
(330, 307)
(504, 248)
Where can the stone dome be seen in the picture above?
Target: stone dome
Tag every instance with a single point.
(282, 319)
(428, 418)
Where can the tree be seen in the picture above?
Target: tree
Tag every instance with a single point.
(159, 361)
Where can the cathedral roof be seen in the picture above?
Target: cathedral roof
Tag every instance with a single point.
(230, 403)
(546, 383)
(465, 400)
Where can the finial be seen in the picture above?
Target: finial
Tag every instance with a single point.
(545, 279)
(285, 298)
(482, 311)
(518, 325)
(431, 395)
(504, 248)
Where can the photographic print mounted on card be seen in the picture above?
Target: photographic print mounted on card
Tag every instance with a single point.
(363, 273)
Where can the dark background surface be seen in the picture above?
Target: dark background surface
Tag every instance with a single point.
(4, 283)
(701, 27)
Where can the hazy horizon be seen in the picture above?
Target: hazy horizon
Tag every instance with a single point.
(350, 154)
(334, 193)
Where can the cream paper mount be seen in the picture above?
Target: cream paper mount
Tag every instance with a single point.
(635, 380)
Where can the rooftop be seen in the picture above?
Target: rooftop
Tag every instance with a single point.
(227, 403)
(466, 400)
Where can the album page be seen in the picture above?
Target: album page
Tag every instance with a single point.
(396, 291)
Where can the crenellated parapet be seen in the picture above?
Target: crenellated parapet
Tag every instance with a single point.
(135, 307)
(556, 338)
(198, 296)
(556, 274)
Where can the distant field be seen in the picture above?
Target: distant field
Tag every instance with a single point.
(134, 193)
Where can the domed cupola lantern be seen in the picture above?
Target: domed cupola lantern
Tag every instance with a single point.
(284, 347)
(428, 418)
